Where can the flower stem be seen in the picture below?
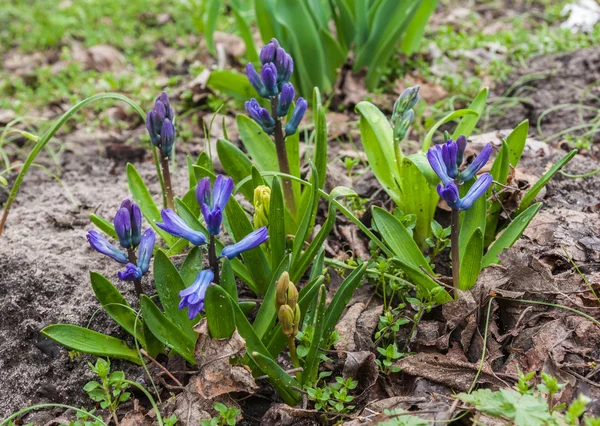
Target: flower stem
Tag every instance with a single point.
(295, 361)
(398, 153)
(137, 283)
(164, 163)
(282, 159)
(455, 251)
(212, 259)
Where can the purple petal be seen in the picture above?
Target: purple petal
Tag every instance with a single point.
(174, 225)
(434, 156)
(101, 245)
(250, 241)
(222, 190)
(131, 273)
(477, 163)
(478, 189)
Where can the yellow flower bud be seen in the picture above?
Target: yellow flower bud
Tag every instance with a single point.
(286, 318)
(281, 290)
(262, 203)
(292, 295)
(297, 317)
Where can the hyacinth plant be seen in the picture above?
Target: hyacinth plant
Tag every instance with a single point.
(481, 227)
(274, 85)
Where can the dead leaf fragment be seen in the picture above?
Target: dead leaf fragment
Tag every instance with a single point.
(456, 374)
(216, 375)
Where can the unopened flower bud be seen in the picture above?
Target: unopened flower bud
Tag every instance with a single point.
(281, 290)
(286, 317)
(299, 111)
(285, 99)
(401, 127)
(407, 100)
(269, 78)
(292, 295)
(297, 317)
(262, 203)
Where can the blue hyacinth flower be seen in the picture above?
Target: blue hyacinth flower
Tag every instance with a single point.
(135, 220)
(131, 273)
(261, 115)
(213, 202)
(175, 225)
(193, 296)
(292, 125)
(101, 245)
(477, 164)
(155, 123)
(250, 241)
(450, 193)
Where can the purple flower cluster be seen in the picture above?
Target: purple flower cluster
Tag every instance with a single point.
(212, 202)
(273, 83)
(128, 227)
(160, 124)
(446, 159)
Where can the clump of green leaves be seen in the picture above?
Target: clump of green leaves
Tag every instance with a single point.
(439, 241)
(390, 354)
(530, 406)
(227, 416)
(334, 397)
(111, 390)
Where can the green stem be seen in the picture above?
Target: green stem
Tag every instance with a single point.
(398, 153)
(294, 356)
(455, 252)
(39, 406)
(164, 162)
(137, 283)
(282, 159)
(213, 261)
(152, 402)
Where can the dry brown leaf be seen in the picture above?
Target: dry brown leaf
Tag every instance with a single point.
(284, 415)
(456, 374)
(346, 328)
(216, 375)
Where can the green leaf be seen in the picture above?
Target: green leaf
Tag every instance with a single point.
(90, 342)
(245, 32)
(510, 235)
(267, 314)
(414, 33)
(399, 239)
(236, 165)
(450, 117)
(342, 297)
(516, 142)
(311, 361)
(104, 225)
(469, 122)
(277, 234)
(500, 170)
(419, 195)
(471, 219)
(320, 154)
(192, 265)
(168, 284)
(240, 226)
(231, 83)
(424, 281)
(259, 145)
(219, 312)
(210, 24)
(228, 279)
(166, 331)
(117, 307)
(301, 264)
(192, 180)
(144, 200)
(537, 187)
(280, 380)
(470, 263)
(377, 139)
(308, 216)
